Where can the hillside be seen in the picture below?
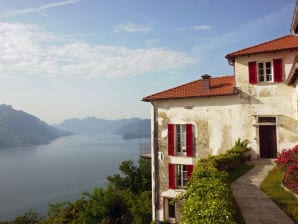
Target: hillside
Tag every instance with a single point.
(128, 128)
(135, 129)
(18, 128)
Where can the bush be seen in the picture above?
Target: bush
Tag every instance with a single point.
(288, 161)
(209, 198)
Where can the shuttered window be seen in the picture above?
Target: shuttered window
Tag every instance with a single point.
(277, 69)
(266, 71)
(171, 139)
(189, 140)
(180, 140)
(252, 72)
(189, 169)
(179, 175)
(172, 176)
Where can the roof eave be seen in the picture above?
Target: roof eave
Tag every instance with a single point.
(231, 57)
(235, 92)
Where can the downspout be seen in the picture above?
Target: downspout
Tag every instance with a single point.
(154, 165)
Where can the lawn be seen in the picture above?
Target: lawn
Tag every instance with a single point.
(238, 171)
(284, 199)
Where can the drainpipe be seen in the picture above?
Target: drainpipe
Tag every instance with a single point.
(154, 164)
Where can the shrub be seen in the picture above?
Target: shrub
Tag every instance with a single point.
(288, 161)
(209, 198)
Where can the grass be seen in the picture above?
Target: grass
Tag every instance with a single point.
(238, 171)
(284, 199)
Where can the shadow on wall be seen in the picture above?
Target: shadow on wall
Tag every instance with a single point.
(291, 125)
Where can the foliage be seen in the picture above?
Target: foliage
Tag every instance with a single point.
(136, 179)
(231, 157)
(285, 200)
(127, 200)
(29, 217)
(288, 161)
(209, 198)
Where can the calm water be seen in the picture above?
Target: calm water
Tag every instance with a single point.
(32, 177)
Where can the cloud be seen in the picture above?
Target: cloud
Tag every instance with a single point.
(38, 9)
(202, 27)
(132, 28)
(197, 28)
(27, 50)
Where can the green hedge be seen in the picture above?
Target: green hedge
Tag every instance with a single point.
(209, 198)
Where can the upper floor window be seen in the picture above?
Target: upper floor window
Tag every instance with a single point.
(265, 71)
(269, 71)
(181, 139)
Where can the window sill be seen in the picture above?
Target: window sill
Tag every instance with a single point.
(269, 83)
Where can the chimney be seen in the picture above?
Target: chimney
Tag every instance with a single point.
(206, 82)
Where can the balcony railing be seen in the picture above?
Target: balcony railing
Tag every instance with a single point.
(145, 150)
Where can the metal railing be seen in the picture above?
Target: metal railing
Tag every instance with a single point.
(145, 150)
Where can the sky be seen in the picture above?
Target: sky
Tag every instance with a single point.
(62, 59)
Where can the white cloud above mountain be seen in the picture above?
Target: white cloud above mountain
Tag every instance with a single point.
(27, 50)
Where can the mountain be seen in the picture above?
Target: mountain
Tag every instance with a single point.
(18, 128)
(135, 129)
(128, 128)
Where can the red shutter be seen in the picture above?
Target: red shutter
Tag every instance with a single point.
(277, 70)
(189, 140)
(252, 72)
(171, 139)
(189, 169)
(171, 176)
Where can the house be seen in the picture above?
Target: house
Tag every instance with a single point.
(205, 117)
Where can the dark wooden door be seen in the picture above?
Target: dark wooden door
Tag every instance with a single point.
(267, 136)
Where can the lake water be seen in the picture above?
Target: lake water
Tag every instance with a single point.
(33, 177)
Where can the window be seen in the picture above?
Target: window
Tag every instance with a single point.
(181, 140)
(269, 71)
(179, 174)
(266, 119)
(265, 71)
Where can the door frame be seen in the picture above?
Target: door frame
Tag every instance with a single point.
(266, 120)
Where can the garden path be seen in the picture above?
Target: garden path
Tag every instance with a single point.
(255, 205)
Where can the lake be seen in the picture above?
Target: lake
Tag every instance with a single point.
(33, 177)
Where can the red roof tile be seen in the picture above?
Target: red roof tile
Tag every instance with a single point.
(219, 86)
(289, 42)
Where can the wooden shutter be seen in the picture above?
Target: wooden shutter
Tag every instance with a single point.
(189, 169)
(252, 72)
(277, 70)
(171, 176)
(171, 139)
(189, 140)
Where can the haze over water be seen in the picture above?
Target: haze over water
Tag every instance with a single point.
(33, 177)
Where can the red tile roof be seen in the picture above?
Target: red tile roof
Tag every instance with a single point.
(289, 42)
(219, 86)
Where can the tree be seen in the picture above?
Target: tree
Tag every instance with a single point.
(136, 179)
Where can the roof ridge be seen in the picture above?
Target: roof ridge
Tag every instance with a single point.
(258, 45)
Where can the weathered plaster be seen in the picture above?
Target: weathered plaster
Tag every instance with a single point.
(220, 121)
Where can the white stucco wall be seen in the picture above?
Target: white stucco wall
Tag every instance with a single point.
(220, 120)
(269, 98)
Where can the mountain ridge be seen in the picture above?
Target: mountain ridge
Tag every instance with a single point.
(130, 128)
(18, 128)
